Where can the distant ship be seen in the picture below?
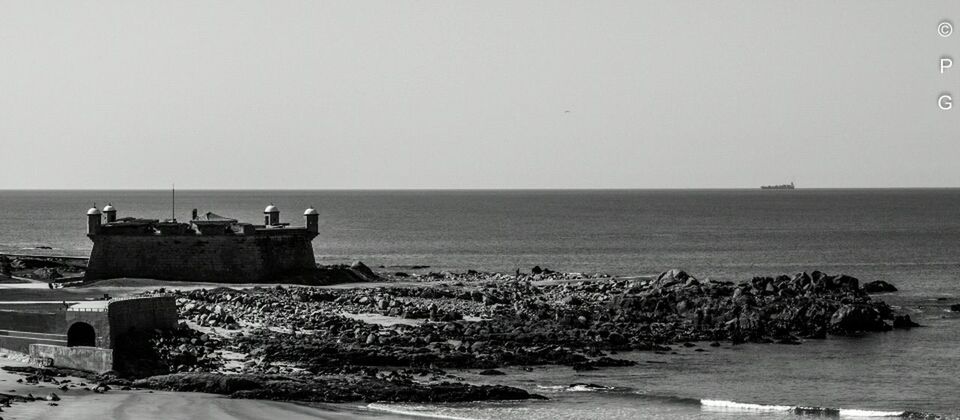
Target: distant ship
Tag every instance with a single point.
(789, 186)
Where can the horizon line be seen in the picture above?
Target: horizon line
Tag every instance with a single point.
(488, 189)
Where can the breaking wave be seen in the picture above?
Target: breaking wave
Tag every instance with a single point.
(722, 405)
(413, 411)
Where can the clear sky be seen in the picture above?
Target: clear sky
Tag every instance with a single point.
(477, 94)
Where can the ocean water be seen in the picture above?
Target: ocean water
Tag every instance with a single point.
(910, 238)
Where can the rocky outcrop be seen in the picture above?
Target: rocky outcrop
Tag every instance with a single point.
(296, 340)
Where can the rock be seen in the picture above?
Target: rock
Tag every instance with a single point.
(878, 286)
(572, 301)
(845, 282)
(491, 372)
(53, 397)
(955, 308)
(904, 322)
(362, 268)
(672, 276)
(536, 270)
(852, 318)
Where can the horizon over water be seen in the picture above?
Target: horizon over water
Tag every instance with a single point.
(908, 237)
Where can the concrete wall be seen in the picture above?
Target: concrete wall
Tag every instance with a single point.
(19, 341)
(261, 257)
(141, 314)
(90, 359)
(32, 325)
(31, 321)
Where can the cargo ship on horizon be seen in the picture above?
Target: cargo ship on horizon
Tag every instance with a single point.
(789, 186)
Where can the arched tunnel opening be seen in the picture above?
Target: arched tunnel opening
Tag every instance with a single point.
(81, 334)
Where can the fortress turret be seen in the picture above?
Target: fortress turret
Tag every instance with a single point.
(110, 213)
(312, 219)
(271, 215)
(94, 220)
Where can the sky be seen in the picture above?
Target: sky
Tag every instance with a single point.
(393, 94)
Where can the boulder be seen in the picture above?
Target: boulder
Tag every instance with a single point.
(904, 322)
(852, 318)
(673, 274)
(492, 372)
(845, 282)
(955, 308)
(362, 268)
(878, 286)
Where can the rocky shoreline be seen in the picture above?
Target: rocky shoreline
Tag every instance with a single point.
(397, 342)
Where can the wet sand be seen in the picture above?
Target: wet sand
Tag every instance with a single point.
(142, 405)
(79, 404)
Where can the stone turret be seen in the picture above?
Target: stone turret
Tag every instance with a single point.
(110, 212)
(94, 219)
(312, 219)
(271, 215)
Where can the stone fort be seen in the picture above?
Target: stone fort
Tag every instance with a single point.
(211, 248)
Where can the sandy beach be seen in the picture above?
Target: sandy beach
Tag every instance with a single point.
(79, 404)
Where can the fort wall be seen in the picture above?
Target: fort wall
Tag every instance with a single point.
(260, 257)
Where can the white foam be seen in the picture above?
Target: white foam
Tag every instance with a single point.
(868, 413)
(413, 411)
(585, 388)
(731, 405)
(843, 412)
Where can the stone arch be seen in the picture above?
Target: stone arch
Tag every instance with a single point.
(81, 334)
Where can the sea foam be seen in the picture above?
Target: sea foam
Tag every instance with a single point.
(418, 411)
(841, 412)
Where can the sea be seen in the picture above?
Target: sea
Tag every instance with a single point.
(908, 237)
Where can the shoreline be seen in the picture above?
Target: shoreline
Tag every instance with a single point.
(463, 300)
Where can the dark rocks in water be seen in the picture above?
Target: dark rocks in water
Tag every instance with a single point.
(602, 362)
(878, 286)
(395, 388)
(536, 270)
(491, 372)
(584, 367)
(485, 321)
(904, 322)
(854, 318)
(788, 340)
(955, 308)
